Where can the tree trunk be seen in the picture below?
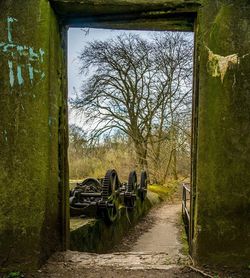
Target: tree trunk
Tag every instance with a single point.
(141, 153)
(174, 164)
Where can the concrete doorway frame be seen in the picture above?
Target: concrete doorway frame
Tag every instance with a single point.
(154, 17)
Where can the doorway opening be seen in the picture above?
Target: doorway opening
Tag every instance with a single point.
(130, 108)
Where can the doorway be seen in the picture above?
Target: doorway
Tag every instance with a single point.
(95, 146)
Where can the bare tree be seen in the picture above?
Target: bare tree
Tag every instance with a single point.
(173, 52)
(135, 86)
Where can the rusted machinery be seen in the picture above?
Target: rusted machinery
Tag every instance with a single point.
(101, 197)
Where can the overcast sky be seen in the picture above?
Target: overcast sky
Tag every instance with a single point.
(77, 40)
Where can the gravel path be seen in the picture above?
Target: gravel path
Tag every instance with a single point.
(163, 236)
(158, 231)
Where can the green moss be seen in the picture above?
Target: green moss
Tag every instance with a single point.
(164, 191)
(184, 239)
(95, 236)
(76, 222)
(30, 133)
(221, 223)
(90, 8)
(148, 15)
(29, 208)
(14, 274)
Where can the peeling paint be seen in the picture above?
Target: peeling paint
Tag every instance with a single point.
(218, 65)
(11, 73)
(23, 60)
(51, 119)
(19, 75)
(42, 52)
(33, 55)
(10, 20)
(31, 73)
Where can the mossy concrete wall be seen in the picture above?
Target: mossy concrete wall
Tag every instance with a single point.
(222, 209)
(32, 224)
(33, 166)
(93, 235)
(128, 14)
(220, 172)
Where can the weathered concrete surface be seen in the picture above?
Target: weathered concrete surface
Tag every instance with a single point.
(93, 235)
(70, 8)
(31, 217)
(163, 236)
(129, 14)
(31, 81)
(222, 184)
(220, 174)
(74, 264)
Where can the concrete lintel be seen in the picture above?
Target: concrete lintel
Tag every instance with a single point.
(175, 14)
(171, 23)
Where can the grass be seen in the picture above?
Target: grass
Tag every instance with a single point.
(164, 191)
(72, 183)
(14, 274)
(184, 239)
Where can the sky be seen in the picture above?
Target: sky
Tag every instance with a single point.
(78, 38)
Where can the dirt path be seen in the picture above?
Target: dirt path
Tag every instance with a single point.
(159, 231)
(163, 236)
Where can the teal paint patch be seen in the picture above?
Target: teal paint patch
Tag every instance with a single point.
(50, 120)
(10, 20)
(31, 73)
(42, 75)
(19, 75)
(11, 73)
(23, 59)
(41, 54)
(32, 55)
(22, 50)
(7, 46)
